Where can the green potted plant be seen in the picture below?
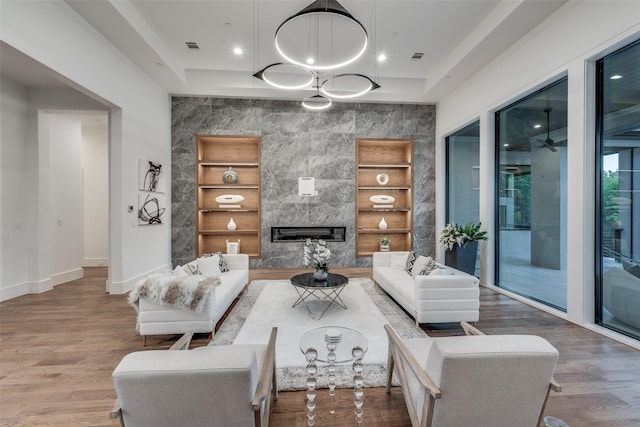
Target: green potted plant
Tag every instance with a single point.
(461, 243)
(385, 243)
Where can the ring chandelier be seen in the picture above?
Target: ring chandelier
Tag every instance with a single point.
(330, 38)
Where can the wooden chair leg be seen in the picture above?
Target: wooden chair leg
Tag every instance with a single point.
(144, 340)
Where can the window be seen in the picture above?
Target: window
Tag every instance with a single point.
(531, 196)
(463, 176)
(618, 191)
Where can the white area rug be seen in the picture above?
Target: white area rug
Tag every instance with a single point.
(268, 303)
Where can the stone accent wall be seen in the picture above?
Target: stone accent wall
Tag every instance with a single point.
(298, 143)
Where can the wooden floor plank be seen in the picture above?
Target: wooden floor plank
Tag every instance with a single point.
(58, 349)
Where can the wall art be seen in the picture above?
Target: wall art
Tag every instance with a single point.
(150, 176)
(151, 208)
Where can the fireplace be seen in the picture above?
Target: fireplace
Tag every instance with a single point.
(300, 234)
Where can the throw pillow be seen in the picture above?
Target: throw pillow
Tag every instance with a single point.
(223, 264)
(399, 261)
(429, 268)
(209, 266)
(191, 268)
(179, 271)
(411, 259)
(420, 265)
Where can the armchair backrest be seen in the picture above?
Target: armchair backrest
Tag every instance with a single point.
(479, 381)
(490, 379)
(213, 386)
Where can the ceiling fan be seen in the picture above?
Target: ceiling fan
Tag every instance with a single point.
(548, 142)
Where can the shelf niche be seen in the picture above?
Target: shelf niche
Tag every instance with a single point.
(393, 158)
(215, 155)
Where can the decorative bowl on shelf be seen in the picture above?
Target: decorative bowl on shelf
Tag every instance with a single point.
(382, 199)
(229, 198)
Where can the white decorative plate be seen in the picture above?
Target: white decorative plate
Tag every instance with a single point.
(229, 198)
(382, 199)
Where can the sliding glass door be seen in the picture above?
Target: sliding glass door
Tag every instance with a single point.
(531, 196)
(463, 176)
(618, 191)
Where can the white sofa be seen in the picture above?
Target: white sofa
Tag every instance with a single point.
(433, 298)
(156, 319)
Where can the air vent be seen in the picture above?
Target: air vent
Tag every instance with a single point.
(193, 45)
(417, 55)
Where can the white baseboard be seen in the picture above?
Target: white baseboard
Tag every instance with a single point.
(126, 286)
(67, 276)
(95, 262)
(21, 289)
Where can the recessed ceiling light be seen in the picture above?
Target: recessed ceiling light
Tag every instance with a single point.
(237, 51)
(537, 126)
(616, 77)
(506, 145)
(382, 57)
(310, 61)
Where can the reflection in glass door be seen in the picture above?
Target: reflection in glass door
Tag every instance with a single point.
(463, 177)
(531, 196)
(618, 192)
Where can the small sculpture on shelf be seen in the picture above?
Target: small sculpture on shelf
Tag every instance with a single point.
(231, 225)
(230, 176)
(382, 179)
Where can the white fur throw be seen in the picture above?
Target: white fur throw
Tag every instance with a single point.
(186, 292)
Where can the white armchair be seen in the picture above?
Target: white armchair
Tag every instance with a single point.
(230, 385)
(480, 381)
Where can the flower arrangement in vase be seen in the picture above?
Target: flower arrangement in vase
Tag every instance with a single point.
(316, 255)
(461, 242)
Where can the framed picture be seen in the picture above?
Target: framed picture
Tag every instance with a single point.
(151, 208)
(150, 176)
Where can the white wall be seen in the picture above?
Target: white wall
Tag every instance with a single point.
(139, 112)
(567, 43)
(13, 189)
(95, 196)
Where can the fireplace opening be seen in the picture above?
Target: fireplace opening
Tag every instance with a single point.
(300, 234)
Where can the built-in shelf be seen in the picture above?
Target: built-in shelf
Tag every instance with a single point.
(393, 158)
(216, 154)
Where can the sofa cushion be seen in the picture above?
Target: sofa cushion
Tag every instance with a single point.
(399, 261)
(411, 260)
(222, 263)
(191, 268)
(179, 271)
(209, 266)
(423, 265)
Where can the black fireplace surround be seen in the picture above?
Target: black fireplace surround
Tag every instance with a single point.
(300, 234)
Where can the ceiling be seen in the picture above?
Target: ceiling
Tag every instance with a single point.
(456, 37)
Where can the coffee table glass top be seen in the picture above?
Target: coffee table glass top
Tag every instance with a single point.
(306, 280)
(350, 338)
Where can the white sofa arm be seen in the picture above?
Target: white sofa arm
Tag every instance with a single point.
(456, 281)
(237, 261)
(383, 259)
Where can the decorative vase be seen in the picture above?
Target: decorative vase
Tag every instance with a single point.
(320, 275)
(463, 258)
(231, 225)
(383, 224)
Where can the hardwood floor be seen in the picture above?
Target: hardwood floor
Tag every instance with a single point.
(58, 349)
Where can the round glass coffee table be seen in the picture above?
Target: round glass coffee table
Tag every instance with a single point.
(309, 288)
(333, 345)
